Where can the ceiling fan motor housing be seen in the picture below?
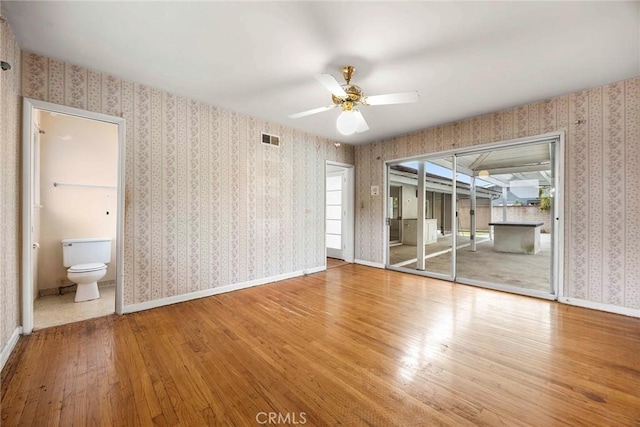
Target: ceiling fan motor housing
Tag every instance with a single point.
(354, 96)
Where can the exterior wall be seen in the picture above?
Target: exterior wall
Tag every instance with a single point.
(207, 204)
(525, 213)
(514, 213)
(409, 201)
(482, 214)
(9, 187)
(602, 182)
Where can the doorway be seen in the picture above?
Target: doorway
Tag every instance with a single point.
(339, 211)
(73, 179)
(488, 216)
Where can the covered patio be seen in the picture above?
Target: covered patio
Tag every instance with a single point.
(490, 187)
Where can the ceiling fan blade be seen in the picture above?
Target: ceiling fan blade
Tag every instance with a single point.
(332, 85)
(362, 123)
(310, 112)
(392, 98)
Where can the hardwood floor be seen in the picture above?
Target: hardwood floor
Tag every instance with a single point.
(352, 346)
(333, 263)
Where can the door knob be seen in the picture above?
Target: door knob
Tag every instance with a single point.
(36, 245)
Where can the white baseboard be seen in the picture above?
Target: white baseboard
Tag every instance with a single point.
(625, 311)
(6, 351)
(215, 291)
(313, 270)
(369, 263)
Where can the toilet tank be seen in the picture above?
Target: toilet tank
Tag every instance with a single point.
(85, 251)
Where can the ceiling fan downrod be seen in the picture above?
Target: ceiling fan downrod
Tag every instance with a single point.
(353, 92)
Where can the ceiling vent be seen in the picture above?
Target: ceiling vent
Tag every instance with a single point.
(269, 139)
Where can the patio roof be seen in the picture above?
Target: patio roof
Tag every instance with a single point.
(405, 175)
(500, 167)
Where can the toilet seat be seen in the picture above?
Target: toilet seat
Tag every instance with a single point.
(86, 268)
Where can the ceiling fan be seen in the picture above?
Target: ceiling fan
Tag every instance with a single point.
(348, 97)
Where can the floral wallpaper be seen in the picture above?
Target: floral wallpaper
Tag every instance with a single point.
(207, 204)
(602, 182)
(9, 186)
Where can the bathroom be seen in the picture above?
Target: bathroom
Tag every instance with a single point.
(75, 177)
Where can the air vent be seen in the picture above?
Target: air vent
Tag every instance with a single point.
(269, 139)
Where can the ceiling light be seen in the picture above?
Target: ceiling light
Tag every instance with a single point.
(347, 123)
(348, 97)
(483, 173)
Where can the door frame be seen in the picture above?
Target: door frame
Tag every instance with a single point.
(29, 105)
(36, 203)
(348, 200)
(558, 218)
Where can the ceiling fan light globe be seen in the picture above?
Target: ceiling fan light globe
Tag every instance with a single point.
(347, 123)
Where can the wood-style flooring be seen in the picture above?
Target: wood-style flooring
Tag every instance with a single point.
(350, 346)
(333, 263)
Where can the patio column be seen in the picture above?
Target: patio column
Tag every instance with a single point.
(443, 199)
(490, 217)
(504, 204)
(472, 195)
(421, 216)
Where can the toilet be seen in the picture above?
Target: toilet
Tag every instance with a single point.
(87, 261)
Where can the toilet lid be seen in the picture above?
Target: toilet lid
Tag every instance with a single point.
(84, 268)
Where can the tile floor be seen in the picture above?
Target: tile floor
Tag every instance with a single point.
(53, 310)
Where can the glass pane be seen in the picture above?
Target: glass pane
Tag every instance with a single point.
(334, 183)
(334, 197)
(438, 210)
(334, 226)
(511, 225)
(334, 212)
(334, 241)
(404, 214)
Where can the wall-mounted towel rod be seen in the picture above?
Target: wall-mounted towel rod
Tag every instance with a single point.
(62, 184)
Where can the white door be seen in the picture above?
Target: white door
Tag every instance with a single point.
(336, 213)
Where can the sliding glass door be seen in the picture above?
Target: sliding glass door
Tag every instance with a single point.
(485, 217)
(506, 223)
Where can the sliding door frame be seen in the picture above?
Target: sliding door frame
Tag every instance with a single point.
(557, 259)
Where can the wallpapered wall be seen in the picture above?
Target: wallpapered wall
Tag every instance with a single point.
(206, 204)
(602, 182)
(9, 186)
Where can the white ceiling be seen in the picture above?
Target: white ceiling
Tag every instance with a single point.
(259, 58)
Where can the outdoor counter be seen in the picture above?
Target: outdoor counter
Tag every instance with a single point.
(517, 237)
